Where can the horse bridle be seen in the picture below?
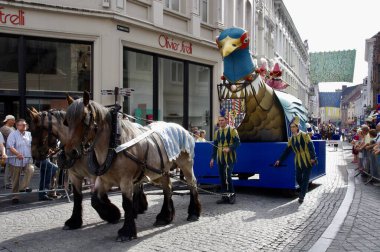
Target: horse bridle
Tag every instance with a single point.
(47, 140)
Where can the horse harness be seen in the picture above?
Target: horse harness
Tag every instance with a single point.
(98, 170)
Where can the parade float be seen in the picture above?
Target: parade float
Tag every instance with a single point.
(261, 113)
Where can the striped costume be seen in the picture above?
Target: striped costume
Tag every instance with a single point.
(227, 137)
(304, 152)
(303, 148)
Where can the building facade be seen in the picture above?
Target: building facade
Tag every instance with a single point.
(329, 103)
(351, 97)
(278, 40)
(162, 49)
(372, 56)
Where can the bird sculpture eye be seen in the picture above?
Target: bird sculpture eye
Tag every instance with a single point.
(246, 40)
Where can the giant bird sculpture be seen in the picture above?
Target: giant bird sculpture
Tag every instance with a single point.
(267, 112)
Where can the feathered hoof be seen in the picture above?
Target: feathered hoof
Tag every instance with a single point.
(125, 235)
(123, 238)
(161, 223)
(71, 224)
(193, 217)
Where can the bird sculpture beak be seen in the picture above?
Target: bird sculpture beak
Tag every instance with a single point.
(229, 45)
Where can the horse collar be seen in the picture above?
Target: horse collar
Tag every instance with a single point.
(94, 167)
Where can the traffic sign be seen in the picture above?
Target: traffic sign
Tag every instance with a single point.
(117, 91)
(107, 92)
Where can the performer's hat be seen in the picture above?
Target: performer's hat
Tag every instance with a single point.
(308, 125)
(276, 71)
(295, 120)
(223, 112)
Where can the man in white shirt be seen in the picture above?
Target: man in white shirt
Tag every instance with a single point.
(19, 144)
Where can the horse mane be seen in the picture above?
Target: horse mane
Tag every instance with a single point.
(75, 110)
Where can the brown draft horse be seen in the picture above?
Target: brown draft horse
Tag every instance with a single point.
(47, 127)
(90, 124)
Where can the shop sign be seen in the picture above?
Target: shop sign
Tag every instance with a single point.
(12, 18)
(181, 46)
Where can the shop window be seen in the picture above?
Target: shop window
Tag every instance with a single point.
(170, 75)
(144, 62)
(57, 66)
(199, 98)
(8, 63)
(46, 104)
(172, 4)
(138, 74)
(176, 72)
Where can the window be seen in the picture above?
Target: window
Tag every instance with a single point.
(171, 90)
(144, 62)
(172, 4)
(140, 103)
(176, 72)
(8, 63)
(199, 97)
(204, 11)
(220, 11)
(57, 66)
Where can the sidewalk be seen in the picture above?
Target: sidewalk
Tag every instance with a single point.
(361, 228)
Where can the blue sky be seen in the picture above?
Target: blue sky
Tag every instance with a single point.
(331, 25)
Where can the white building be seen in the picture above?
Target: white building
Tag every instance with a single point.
(164, 49)
(368, 85)
(278, 40)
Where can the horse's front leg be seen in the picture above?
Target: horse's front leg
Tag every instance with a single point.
(140, 203)
(101, 203)
(128, 231)
(167, 213)
(75, 220)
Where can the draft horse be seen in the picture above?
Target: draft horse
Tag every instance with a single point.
(91, 124)
(47, 127)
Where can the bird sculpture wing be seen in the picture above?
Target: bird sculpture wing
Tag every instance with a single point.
(292, 107)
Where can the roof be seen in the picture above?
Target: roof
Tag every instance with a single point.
(348, 90)
(330, 99)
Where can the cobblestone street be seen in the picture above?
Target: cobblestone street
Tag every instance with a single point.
(260, 220)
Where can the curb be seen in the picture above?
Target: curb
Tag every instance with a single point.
(324, 242)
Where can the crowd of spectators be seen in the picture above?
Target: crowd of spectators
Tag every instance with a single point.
(18, 165)
(366, 151)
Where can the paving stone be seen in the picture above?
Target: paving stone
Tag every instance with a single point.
(260, 220)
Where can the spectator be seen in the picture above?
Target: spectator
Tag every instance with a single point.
(19, 144)
(354, 142)
(47, 172)
(201, 138)
(8, 126)
(196, 135)
(6, 129)
(2, 149)
(316, 135)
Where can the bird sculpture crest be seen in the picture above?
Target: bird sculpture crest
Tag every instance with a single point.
(260, 113)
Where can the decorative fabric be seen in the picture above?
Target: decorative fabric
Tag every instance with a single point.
(235, 111)
(227, 137)
(335, 66)
(175, 138)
